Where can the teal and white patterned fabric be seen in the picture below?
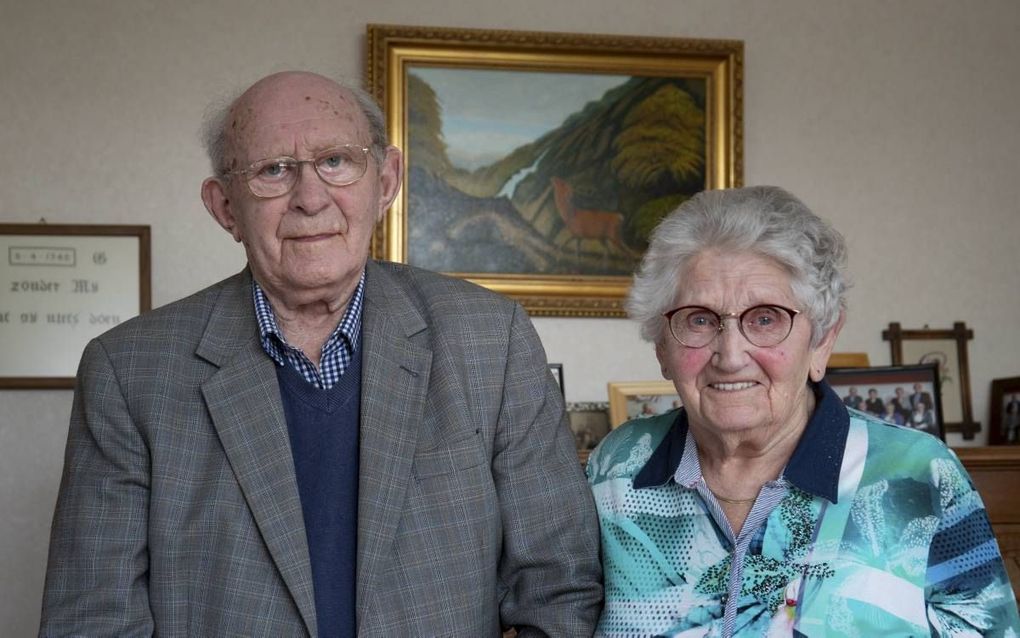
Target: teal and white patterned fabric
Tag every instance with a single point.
(876, 531)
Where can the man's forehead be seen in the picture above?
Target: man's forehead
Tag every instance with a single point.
(285, 104)
(315, 131)
(274, 120)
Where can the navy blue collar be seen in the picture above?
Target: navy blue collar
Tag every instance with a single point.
(813, 467)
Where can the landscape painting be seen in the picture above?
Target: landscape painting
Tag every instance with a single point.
(546, 173)
(542, 173)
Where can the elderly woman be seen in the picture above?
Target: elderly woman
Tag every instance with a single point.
(763, 507)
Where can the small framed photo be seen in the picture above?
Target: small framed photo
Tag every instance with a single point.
(947, 348)
(636, 399)
(904, 395)
(556, 369)
(589, 421)
(1005, 413)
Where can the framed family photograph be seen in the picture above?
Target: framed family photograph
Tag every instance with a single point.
(537, 164)
(904, 395)
(60, 286)
(636, 399)
(948, 350)
(1004, 424)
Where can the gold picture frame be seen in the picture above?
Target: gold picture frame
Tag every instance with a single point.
(634, 399)
(947, 348)
(556, 217)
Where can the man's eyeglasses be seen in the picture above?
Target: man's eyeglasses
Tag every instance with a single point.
(276, 176)
(764, 326)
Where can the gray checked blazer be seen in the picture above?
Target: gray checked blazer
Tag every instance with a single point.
(178, 512)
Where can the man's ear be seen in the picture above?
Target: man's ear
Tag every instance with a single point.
(214, 196)
(391, 172)
(820, 355)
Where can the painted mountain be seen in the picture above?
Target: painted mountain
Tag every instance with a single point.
(580, 199)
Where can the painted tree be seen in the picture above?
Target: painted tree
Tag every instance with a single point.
(427, 148)
(663, 138)
(660, 147)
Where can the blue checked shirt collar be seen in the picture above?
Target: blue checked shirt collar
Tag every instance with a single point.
(336, 353)
(813, 467)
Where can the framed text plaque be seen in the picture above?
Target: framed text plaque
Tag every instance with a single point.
(60, 286)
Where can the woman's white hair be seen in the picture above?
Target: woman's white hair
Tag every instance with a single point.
(760, 220)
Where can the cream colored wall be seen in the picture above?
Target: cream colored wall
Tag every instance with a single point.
(895, 120)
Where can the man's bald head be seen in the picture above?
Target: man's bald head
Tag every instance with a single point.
(227, 122)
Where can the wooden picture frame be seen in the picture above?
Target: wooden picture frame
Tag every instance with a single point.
(1004, 412)
(634, 399)
(538, 163)
(60, 286)
(947, 348)
(888, 392)
(849, 360)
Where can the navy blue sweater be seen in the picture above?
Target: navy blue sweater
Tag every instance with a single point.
(323, 427)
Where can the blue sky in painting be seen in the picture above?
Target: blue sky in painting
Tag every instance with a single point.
(488, 113)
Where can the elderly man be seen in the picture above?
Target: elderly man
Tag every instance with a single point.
(920, 396)
(321, 445)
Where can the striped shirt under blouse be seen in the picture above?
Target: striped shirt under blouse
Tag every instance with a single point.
(336, 353)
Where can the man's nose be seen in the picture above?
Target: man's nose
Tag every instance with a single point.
(310, 194)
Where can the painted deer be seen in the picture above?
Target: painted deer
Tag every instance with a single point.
(602, 225)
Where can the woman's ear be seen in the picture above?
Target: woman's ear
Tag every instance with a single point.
(821, 353)
(660, 354)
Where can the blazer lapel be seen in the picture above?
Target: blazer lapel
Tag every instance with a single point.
(395, 375)
(243, 398)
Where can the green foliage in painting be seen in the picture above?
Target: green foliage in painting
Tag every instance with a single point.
(663, 136)
(425, 122)
(651, 213)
